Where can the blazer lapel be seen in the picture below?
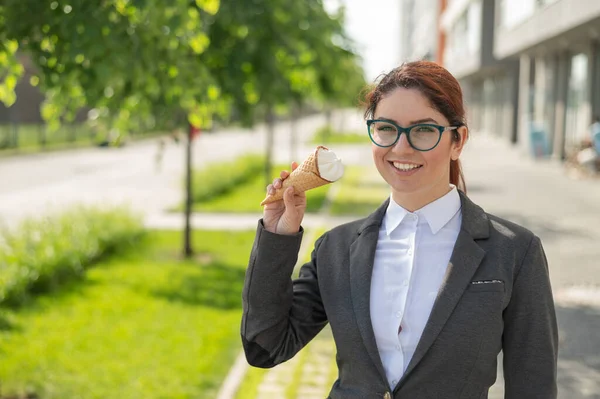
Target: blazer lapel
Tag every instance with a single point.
(465, 259)
(362, 255)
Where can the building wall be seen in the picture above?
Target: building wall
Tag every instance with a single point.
(524, 24)
(557, 43)
(530, 69)
(489, 85)
(420, 29)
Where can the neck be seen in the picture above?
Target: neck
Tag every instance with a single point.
(414, 201)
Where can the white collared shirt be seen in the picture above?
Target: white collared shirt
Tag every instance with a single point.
(413, 252)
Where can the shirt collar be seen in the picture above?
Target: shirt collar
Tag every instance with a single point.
(437, 213)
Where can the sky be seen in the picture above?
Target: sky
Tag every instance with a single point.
(374, 25)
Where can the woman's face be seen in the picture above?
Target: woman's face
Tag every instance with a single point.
(428, 177)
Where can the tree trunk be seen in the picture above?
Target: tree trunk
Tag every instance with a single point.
(294, 131)
(270, 121)
(341, 121)
(187, 235)
(328, 124)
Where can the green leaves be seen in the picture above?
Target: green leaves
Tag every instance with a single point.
(144, 60)
(128, 58)
(10, 69)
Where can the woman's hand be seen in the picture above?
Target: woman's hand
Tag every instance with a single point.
(284, 216)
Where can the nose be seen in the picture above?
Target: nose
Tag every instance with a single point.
(402, 145)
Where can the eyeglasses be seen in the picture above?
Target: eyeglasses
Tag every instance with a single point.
(421, 137)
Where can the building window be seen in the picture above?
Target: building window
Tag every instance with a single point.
(464, 38)
(513, 12)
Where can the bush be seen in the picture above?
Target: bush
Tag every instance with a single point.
(221, 178)
(41, 253)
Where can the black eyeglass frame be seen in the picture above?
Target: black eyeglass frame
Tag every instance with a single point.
(406, 130)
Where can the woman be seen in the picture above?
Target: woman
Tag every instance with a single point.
(421, 295)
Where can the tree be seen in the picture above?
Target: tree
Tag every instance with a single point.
(131, 61)
(265, 55)
(142, 63)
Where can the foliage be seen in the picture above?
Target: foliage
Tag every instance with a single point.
(139, 63)
(41, 253)
(264, 53)
(143, 324)
(129, 60)
(268, 55)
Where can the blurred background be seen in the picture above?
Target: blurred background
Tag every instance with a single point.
(137, 138)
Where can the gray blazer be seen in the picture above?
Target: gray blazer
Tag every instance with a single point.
(495, 296)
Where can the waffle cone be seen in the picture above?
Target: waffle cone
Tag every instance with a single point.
(304, 178)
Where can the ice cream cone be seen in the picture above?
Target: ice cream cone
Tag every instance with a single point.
(305, 177)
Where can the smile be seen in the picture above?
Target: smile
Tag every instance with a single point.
(405, 167)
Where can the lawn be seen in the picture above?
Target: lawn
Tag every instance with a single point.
(361, 192)
(246, 198)
(326, 136)
(32, 138)
(146, 324)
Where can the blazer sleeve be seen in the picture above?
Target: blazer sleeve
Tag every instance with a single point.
(280, 316)
(530, 338)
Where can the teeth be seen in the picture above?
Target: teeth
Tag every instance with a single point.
(405, 167)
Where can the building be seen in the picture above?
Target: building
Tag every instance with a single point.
(556, 43)
(530, 69)
(490, 85)
(419, 30)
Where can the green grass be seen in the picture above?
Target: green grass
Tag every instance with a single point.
(246, 198)
(221, 178)
(360, 194)
(248, 389)
(29, 136)
(32, 138)
(327, 135)
(40, 254)
(147, 324)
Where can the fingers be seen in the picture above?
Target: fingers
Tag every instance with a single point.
(278, 182)
(288, 197)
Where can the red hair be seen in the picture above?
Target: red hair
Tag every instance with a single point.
(441, 89)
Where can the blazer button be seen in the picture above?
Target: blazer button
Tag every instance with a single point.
(387, 395)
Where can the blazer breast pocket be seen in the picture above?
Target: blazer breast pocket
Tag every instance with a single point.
(486, 286)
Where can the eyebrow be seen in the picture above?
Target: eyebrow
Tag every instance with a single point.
(425, 120)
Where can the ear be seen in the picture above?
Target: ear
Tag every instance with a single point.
(458, 145)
